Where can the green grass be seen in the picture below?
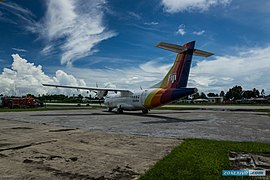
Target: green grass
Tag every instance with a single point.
(200, 159)
(264, 110)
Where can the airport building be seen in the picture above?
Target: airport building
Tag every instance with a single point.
(215, 100)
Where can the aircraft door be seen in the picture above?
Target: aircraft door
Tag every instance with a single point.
(143, 96)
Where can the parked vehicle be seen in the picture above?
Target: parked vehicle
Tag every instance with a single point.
(26, 102)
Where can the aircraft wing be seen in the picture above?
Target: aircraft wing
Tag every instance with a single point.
(89, 88)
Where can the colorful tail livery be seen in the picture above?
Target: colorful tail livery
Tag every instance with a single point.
(171, 88)
(174, 84)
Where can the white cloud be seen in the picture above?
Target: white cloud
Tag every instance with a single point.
(153, 67)
(69, 26)
(23, 15)
(174, 6)
(19, 50)
(181, 30)
(249, 69)
(16, 9)
(24, 77)
(134, 15)
(151, 23)
(199, 33)
(144, 75)
(74, 27)
(47, 50)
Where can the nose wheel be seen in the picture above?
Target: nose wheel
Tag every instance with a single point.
(110, 109)
(119, 110)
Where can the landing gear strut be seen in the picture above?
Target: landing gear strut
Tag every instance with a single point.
(110, 109)
(145, 111)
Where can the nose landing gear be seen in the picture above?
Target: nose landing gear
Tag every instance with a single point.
(119, 110)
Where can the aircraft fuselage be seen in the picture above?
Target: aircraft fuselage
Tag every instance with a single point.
(146, 99)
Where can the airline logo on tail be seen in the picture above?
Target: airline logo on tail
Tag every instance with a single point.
(172, 78)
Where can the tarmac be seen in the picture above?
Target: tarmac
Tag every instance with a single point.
(41, 151)
(211, 124)
(94, 144)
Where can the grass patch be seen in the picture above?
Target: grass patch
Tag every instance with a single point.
(200, 159)
(264, 110)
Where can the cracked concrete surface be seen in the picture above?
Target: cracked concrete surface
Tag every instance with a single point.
(39, 151)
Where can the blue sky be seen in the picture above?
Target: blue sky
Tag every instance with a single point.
(112, 43)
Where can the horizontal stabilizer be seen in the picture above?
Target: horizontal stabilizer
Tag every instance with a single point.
(198, 52)
(172, 47)
(180, 49)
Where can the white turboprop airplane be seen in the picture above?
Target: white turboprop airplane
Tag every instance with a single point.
(171, 88)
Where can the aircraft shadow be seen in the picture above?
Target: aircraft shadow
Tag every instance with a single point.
(169, 112)
(170, 120)
(89, 114)
(161, 119)
(164, 119)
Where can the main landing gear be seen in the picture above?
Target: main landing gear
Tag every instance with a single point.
(145, 111)
(120, 110)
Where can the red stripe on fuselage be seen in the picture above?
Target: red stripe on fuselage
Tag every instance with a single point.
(156, 99)
(163, 96)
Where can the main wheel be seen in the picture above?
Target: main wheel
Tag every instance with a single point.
(145, 111)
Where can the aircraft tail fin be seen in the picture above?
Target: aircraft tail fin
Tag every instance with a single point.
(178, 75)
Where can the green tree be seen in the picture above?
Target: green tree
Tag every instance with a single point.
(234, 93)
(256, 92)
(247, 94)
(222, 94)
(262, 93)
(196, 95)
(203, 96)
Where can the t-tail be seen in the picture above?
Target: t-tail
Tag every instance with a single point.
(174, 84)
(178, 75)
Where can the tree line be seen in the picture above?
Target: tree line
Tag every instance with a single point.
(234, 93)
